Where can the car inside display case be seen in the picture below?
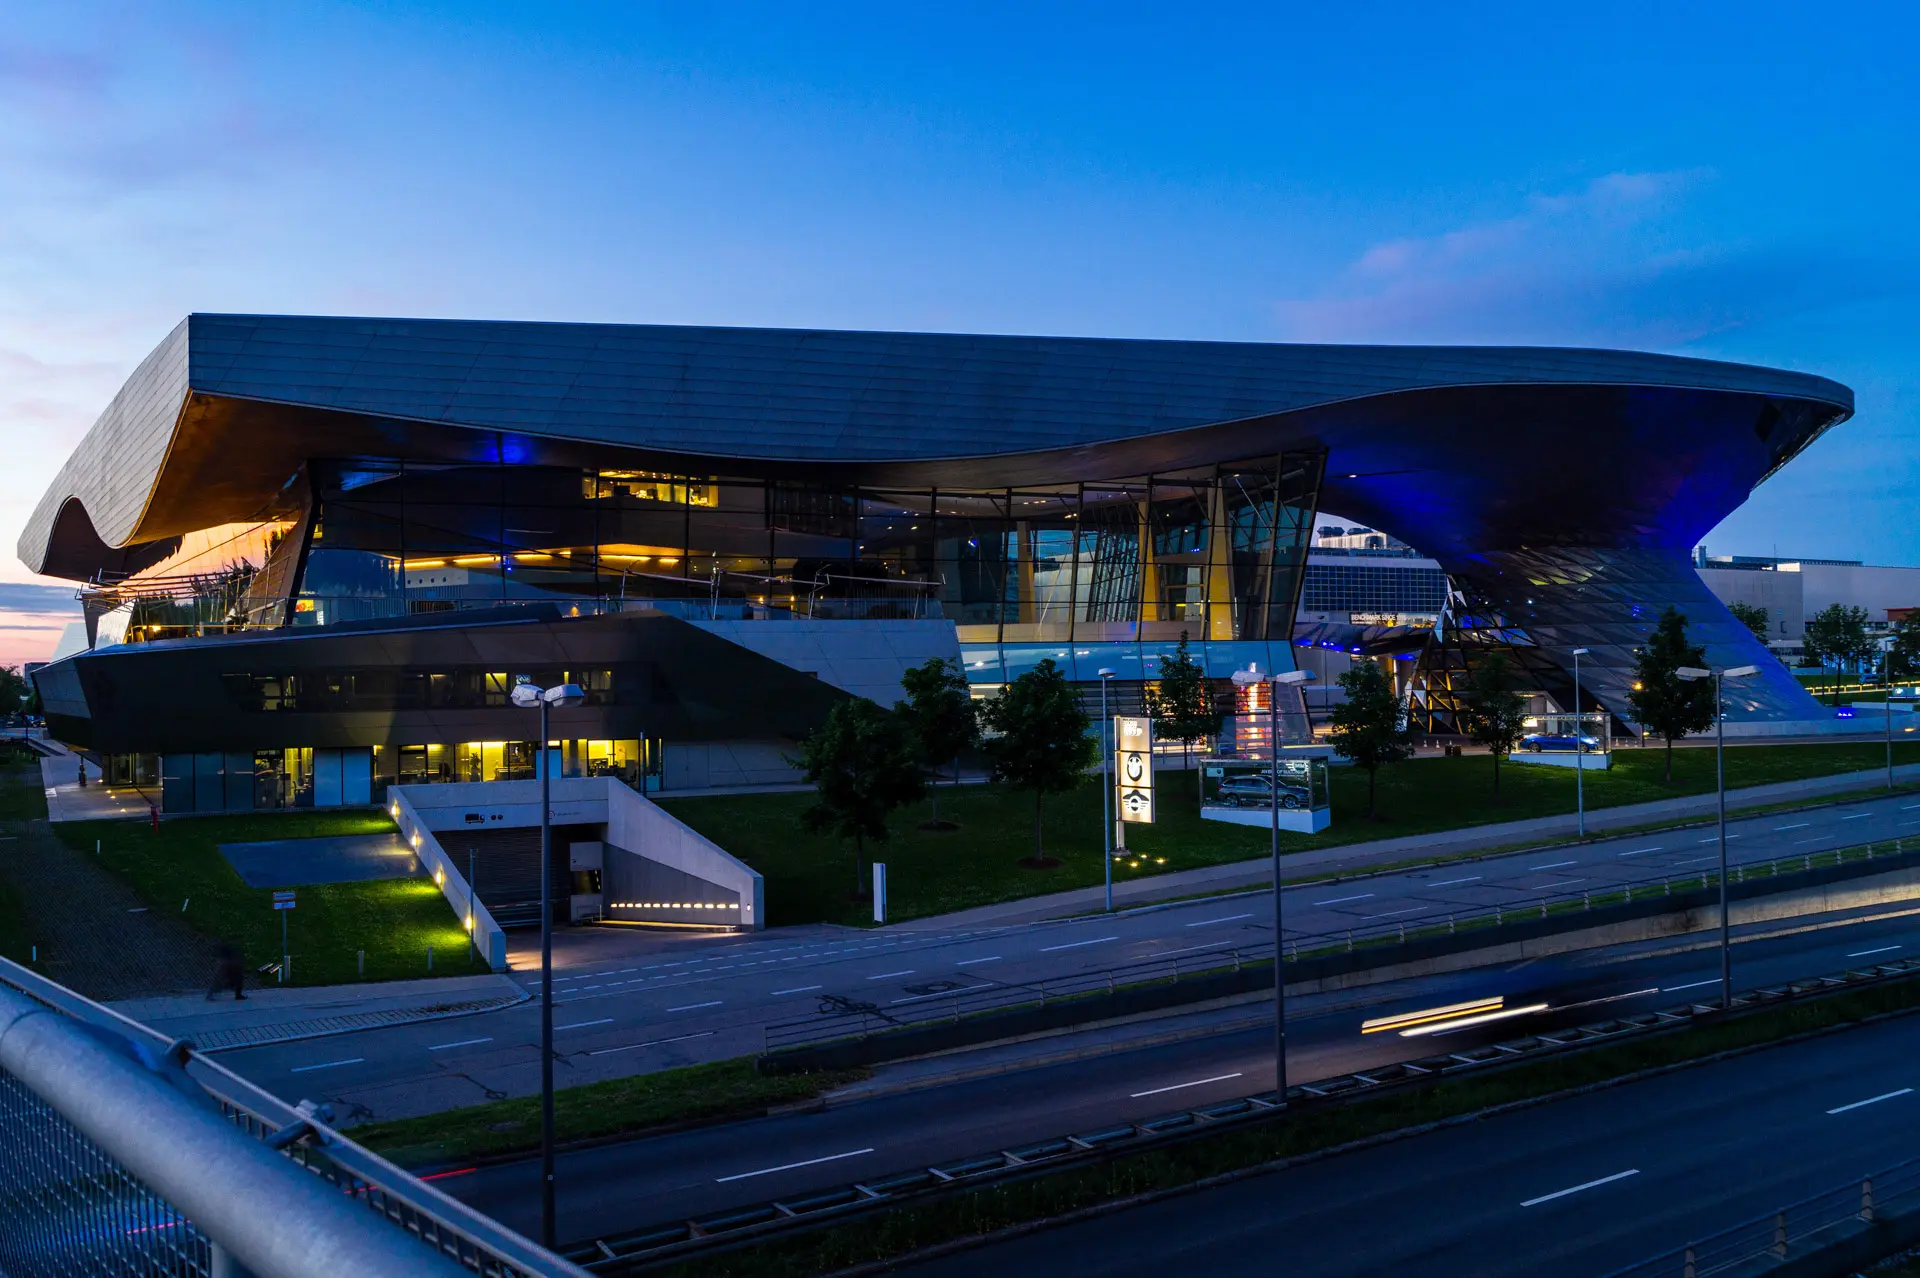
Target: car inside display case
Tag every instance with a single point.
(1252, 791)
(1566, 741)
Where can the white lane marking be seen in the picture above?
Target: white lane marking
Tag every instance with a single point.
(1908, 807)
(1553, 865)
(1074, 945)
(1815, 838)
(1863, 953)
(1716, 838)
(1858, 816)
(810, 1162)
(652, 1042)
(884, 976)
(991, 958)
(694, 1007)
(605, 1020)
(798, 989)
(1797, 825)
(1336, 900)
(1562, 1193)
(1693, 860)
(1675, 989)
(1411, 909)
(305, 1069)
(1638, 851)
(1198, 1082)
(1210, 945)
(1471, 878)
(465, 1042)
(1871, 1100)
(1224, 919)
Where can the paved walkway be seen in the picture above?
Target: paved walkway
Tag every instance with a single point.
(1358, 857)
(68, 800)
(274, 1015)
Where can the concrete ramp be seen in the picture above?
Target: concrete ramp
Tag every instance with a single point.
(648, 866)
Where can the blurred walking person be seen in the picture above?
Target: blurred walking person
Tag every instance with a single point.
(228, 972)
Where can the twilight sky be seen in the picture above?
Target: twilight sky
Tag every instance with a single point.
(1734, 181)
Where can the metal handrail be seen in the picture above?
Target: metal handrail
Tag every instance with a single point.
(421, 1213)
(1785, 1230)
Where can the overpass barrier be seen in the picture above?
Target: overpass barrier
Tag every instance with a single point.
(122, 1151)
(1837, 1232)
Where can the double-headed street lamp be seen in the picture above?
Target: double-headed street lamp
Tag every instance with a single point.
(1242, 679)
(1719, 676)
(526, 696)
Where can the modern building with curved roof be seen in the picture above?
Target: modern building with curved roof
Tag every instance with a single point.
(338, 534)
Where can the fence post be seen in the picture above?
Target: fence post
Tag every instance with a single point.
(360, 964)
(1688, 1268)
(1543, 907)
(1666, 885)
(1780, 1233)
(1866, 1199)
(429, 958)
(1449, 922)
(1349, 940)
(1403, 933)
(1586, 899)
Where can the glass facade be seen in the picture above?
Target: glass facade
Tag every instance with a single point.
(1089, 575)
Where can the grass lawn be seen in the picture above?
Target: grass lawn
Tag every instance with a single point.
(22, 798)
(620, 1106)
(810, 877)
(393, 920)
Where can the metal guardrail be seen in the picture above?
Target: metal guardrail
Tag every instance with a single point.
(1785, 1231)
(841, 1018)
(123, 1151)
(642, 1249)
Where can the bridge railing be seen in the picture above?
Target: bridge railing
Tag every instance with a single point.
(122, 1151)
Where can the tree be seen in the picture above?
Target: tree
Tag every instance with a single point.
(939, 718)
(1903, 656)
(17, 692)
(1752, 616)
(862, 766)
(1496, 715)
(1182, 705)
(1367, 728)
(1673, 707)
(1837, 636)
(1040, 742)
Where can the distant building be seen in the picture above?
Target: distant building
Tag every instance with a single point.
(1792, 590)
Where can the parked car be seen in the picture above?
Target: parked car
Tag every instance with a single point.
(1254, 790)
(1538, 741)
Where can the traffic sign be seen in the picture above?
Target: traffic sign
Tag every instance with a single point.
(283, 900)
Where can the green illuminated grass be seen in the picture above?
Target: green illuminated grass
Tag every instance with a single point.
(393, 920)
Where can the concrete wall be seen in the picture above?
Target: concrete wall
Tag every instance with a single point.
(1780, 593)
(718, 765)
(687, 877)
(488, 939)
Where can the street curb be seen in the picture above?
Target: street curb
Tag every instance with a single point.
(1096, 1210)
(297, 1035)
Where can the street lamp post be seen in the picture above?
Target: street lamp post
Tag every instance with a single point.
(1886, 697)
(527, 696)
(1106, 782)
(1718, 675)
(1579, 748)
(1274, 684)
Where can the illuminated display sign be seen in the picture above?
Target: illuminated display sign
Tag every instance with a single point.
(1133, 768)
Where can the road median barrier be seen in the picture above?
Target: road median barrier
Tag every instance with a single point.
(848, 1032)
(1319, 1120)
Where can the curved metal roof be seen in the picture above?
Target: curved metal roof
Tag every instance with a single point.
(222, 414)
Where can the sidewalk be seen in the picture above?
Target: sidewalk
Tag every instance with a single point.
(1354, 857)
(67, 800)
(275, 1015)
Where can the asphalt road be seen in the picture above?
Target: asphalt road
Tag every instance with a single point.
(1575, 1188)
(618, 1187)
(702, 997)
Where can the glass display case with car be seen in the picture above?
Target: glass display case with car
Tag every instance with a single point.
(1245, 792)
(1566, 741)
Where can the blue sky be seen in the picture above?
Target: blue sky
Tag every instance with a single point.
(1730, 181)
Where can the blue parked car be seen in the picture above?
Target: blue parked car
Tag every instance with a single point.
(1539, 741)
